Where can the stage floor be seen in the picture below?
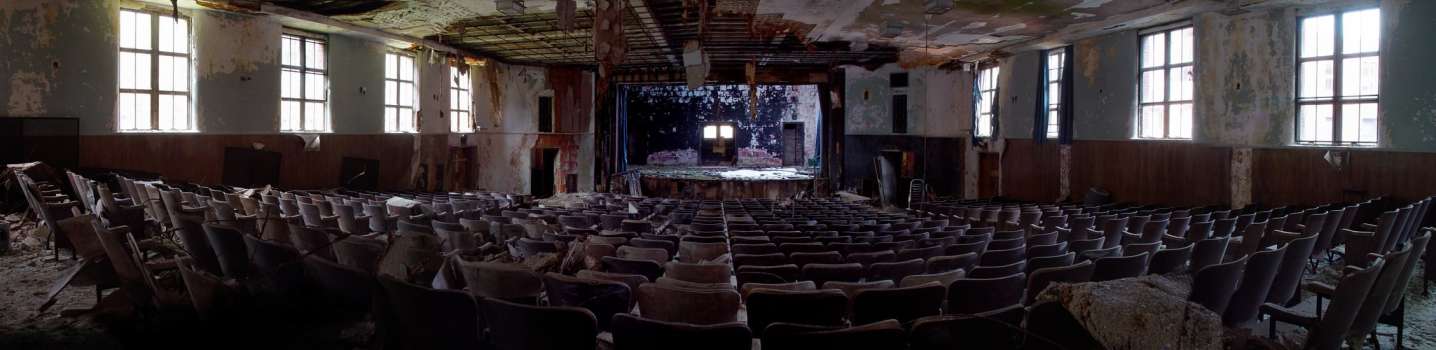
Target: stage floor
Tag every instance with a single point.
(726, 173)
(722, 182)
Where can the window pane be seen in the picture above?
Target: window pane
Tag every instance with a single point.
(406, 94)
(291, 53)
(1182, 50)
(1358, 123)
(142, 64)
(391, 93)
(1054, 124)
(127, 70)
(314, 86)
(127, 111)
(1153, 84)
(314, 116)
(1179, 121)
(1154, 50)
(166, 112)
(1054, 94)
(710, 132)
(142, 111)
(1181, 84)
(288, 115)
(313, 54)
(1151, 122)
(406, 68)
(391, 66)
(725, 131)
(1316, 123)
(1361, 31)
(406, 120)
(1318, 35)
(1360, 76)
(1317, 79)
(167, 73)
(141, 33)
(166, 33)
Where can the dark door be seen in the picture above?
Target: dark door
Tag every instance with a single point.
(542, 179)
(359, 174)
(793, 145)
(988, 166)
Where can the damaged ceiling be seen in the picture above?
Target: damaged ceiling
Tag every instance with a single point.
(735, 32)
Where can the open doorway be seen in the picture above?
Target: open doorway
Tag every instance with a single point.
(545, 166)
(718, 145)
(793, 152)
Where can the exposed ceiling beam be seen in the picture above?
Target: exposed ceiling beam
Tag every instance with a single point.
(1155, 15)
(645, 15)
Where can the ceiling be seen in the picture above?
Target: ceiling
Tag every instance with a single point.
(771, 33)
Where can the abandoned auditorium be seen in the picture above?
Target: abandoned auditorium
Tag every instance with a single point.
(717, 174)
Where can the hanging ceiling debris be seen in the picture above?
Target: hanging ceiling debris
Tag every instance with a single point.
(768, 33)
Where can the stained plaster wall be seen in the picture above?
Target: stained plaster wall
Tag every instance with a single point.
(509, 128)
(60, 62)
(1245, 77)
(939, 123)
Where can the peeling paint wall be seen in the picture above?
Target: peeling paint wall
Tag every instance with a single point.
(1245, 78)
(1104, 87)
(938, 103)
(59, 60)
(1408, 79)
(665, 122)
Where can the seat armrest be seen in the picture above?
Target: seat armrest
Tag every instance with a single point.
(1369, 227)
(1289, 316)
(1320, 288)
(1354, 233)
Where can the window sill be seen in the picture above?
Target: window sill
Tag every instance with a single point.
(1337, 145)
(306, 132)
(1168, 140)
(158, 131)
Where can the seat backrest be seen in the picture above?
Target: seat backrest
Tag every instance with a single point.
(1385, 286)
(229, 248)
(698, 273)
(943, 278)
(1213, 286)
(887, 334)
(632, 332)
(1035, 263)
(1208, 252)
(430, 318)
(947, 263)
(1418, 249)
(827, 307)
(677, 304)
(1170, 260)
(904, 304)
(820, 273)
(895, 271)
(1351, 292)
(1255, 284)
(601, 297)
(982, 331)
(502, 281)
(1039, 279)
(1291, 272)
(975, 295)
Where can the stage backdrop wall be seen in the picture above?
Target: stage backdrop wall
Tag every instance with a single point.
(665, 122)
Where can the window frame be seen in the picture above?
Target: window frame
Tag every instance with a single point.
(978, 127)
(1337, 100)
(304, 71)
(1053, 111)
(1166, 68)
(155, 54)
(399, 82)
(461, 114)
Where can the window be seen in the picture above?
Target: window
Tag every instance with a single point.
(1165, 87)
(154, 73)
(545, 113)
(461, 100)
(898, 83)
(1337, 78)
(718, 131)
(987, 96)
(304, 85)
(399, 93)
(1055, 61)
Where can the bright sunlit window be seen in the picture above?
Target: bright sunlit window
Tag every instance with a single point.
(461, 98)
(304, 85)
(711, 132)
(1338, 82)
(154, 73)
(399, 93)
(987, 95)
(1055, 62)
(1164, 109)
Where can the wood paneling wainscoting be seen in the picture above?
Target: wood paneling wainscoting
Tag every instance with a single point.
(1189, 174)
(1171, 173)
(199, 158)
(1303, 176)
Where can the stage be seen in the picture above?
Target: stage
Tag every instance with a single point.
(721, 182)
